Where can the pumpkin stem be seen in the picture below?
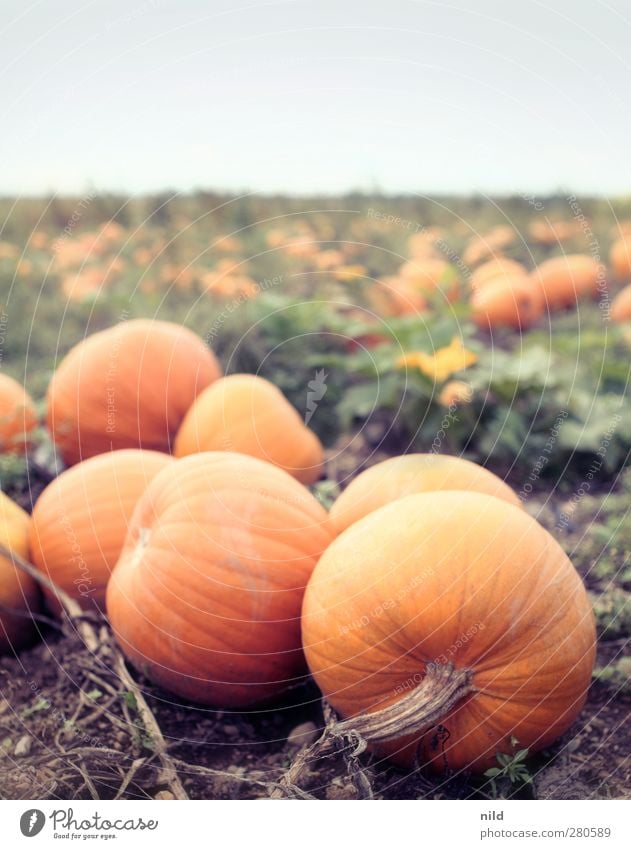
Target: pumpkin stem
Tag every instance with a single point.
(442, 687)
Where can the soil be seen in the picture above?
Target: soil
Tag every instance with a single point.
(70, 729)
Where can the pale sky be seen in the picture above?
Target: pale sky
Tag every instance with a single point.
(308, 96)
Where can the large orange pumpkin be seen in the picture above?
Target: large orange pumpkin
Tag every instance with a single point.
(396, 296)
(412, 474)
(620, 258)
(447, 623)
(621, 306)
(564, 280)
(18, 418)
(249, 415)
(18, 591)
(499, 267)
(206, 596)
(80, 521)
(507, 302)
(127, 387)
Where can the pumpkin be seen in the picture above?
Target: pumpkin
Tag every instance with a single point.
(127, 387)
(80, 520)
(621, 306)
(445, 624)
(507, 302)
(18, 591)
(429, 276)
(205, 598)
(396, 296)
(412, 474)
(249, 415)
(496, 268)
(18, 418)
(549, 233)
(620, 258)
(565, 279)
(422, 246)
(483, 247)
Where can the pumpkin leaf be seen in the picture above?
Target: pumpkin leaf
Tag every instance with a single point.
(130, 700)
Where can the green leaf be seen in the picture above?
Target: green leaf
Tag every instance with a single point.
(130, 700)
(94, 694)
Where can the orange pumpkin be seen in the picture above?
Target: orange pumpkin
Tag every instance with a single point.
(127, 387)
(564, 280)
(621, 306)
(483, 247)
(422, 246)
(494, 269)
(396, 296)
(507, 302)
(206, 596)
(80, 521)
(18, 591)
(430, 276)
(620, 258)
(549, 233)
(18, 418)
(249, 415)
(412, 474)
(446, 623)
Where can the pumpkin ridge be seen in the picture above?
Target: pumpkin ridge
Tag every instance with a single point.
(208, 636)
(135, 559)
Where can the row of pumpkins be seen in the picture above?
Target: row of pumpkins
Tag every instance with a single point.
(426, 594)
(502, 292)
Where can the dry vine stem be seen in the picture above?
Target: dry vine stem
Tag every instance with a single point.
(442, 687)
(79, 620)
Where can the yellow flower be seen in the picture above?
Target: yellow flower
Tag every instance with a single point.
(442, 363)
(454, 393)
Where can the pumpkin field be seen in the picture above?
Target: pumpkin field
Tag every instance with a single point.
(320, 497)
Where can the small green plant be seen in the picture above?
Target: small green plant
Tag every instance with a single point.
(511, 774)
(616, 675)
(326, 492)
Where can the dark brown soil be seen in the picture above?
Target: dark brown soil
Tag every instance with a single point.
(69, 729)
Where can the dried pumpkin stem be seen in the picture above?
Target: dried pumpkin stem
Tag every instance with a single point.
(442, 687)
